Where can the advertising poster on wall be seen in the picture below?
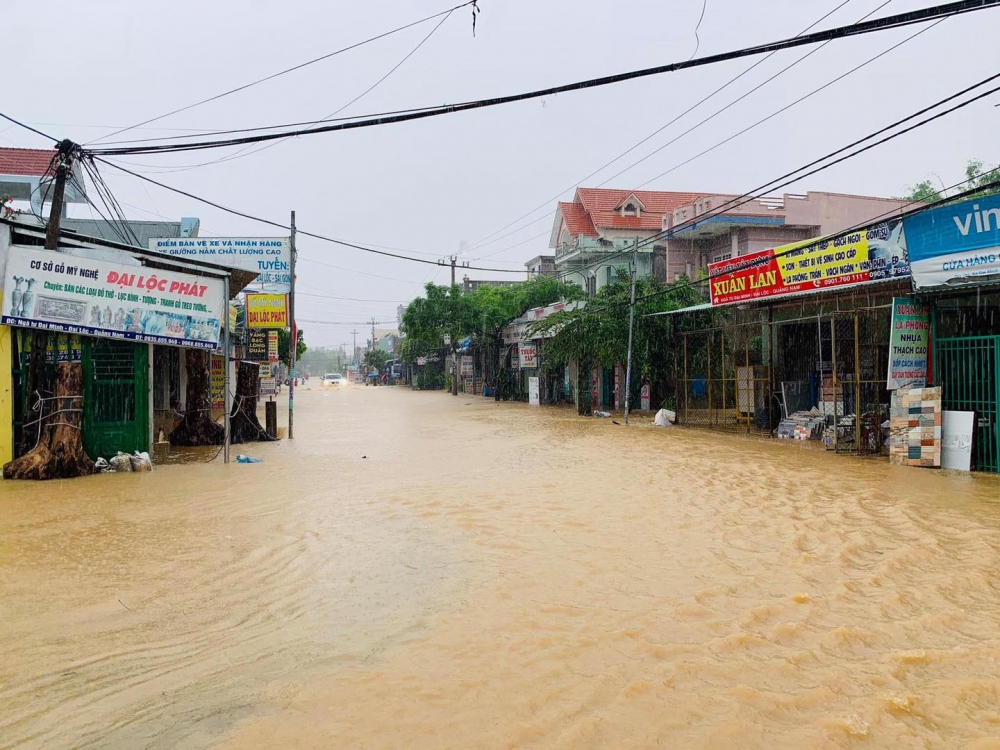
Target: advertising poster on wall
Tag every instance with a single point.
(267, 311)
(53, 291)
(874, 254)
(909, 339)
(955, 245)
(268, 257)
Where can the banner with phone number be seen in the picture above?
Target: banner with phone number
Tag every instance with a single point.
(874, 254)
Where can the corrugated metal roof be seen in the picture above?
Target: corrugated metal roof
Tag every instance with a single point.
(144, 230)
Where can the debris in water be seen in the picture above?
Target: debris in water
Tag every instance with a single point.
(665, 418)
(241, 459)
(602, 414)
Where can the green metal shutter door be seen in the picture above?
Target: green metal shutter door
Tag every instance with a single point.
(968, 370)
(116, 396)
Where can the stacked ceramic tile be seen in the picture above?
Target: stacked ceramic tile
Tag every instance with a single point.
(915, 427)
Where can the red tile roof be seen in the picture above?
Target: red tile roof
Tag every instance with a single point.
(31, 162)
(655, 202)
(577, 220)
(595, 208)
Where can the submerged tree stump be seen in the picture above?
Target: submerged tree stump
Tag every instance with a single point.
(59, 452)
(585, 404)
(198, 428)
(244, 427)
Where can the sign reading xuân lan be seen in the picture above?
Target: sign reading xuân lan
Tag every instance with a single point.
(874, 254)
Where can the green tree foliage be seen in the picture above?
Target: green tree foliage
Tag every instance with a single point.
(284, 339)
(376, 359)
(598, 333)
(926, 191)
(446, 311)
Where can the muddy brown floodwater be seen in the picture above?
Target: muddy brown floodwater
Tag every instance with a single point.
(423, 571)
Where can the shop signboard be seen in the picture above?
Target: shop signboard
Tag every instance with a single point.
(267, 311)
(218, 385)
(533, 399)
(64, 293)
(265, 370)
(268, 386)
(527, 355)
(268, 257)
(257, 345)
(909, 339)
(955, 245)
(468, 368)
(874, 254)
(644, 397)
(272, 346)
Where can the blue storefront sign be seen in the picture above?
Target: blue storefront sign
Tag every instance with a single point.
(955, 245)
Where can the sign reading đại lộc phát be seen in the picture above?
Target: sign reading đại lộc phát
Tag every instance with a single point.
(267, 311)
(64, 293)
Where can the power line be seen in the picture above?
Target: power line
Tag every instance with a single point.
(315, 60)
(483, 243)
(285, 227)
(867, 27)
(795, 175)
(752, 263)
(243, 151)
(27, 127)
(765, 119)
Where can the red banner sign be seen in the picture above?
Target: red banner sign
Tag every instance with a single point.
(872, 254)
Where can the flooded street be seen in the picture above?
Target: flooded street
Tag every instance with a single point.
(422, 571)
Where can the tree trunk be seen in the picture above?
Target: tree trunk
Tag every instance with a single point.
(585, 403)
(198, 428)
(37, 386)
(244, 426)
(59, 453)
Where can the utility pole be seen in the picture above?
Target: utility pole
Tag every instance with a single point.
(631, 320)
(373, 344)
(354, 351)
(454, 358)
(228, 397)
(66, 149)
(294, 344)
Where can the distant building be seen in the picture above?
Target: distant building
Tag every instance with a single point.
(759, 225)
(592, 234)
(26, 176)
(138, 232)
(471, 285)
(541, 265)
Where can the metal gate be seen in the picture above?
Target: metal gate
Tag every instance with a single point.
(115, 397)
(968, 370)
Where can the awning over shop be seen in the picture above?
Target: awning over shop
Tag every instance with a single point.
(693, 308)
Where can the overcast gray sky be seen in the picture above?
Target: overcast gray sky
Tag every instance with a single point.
(432, 187)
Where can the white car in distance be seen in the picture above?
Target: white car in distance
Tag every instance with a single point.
(334, 378)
